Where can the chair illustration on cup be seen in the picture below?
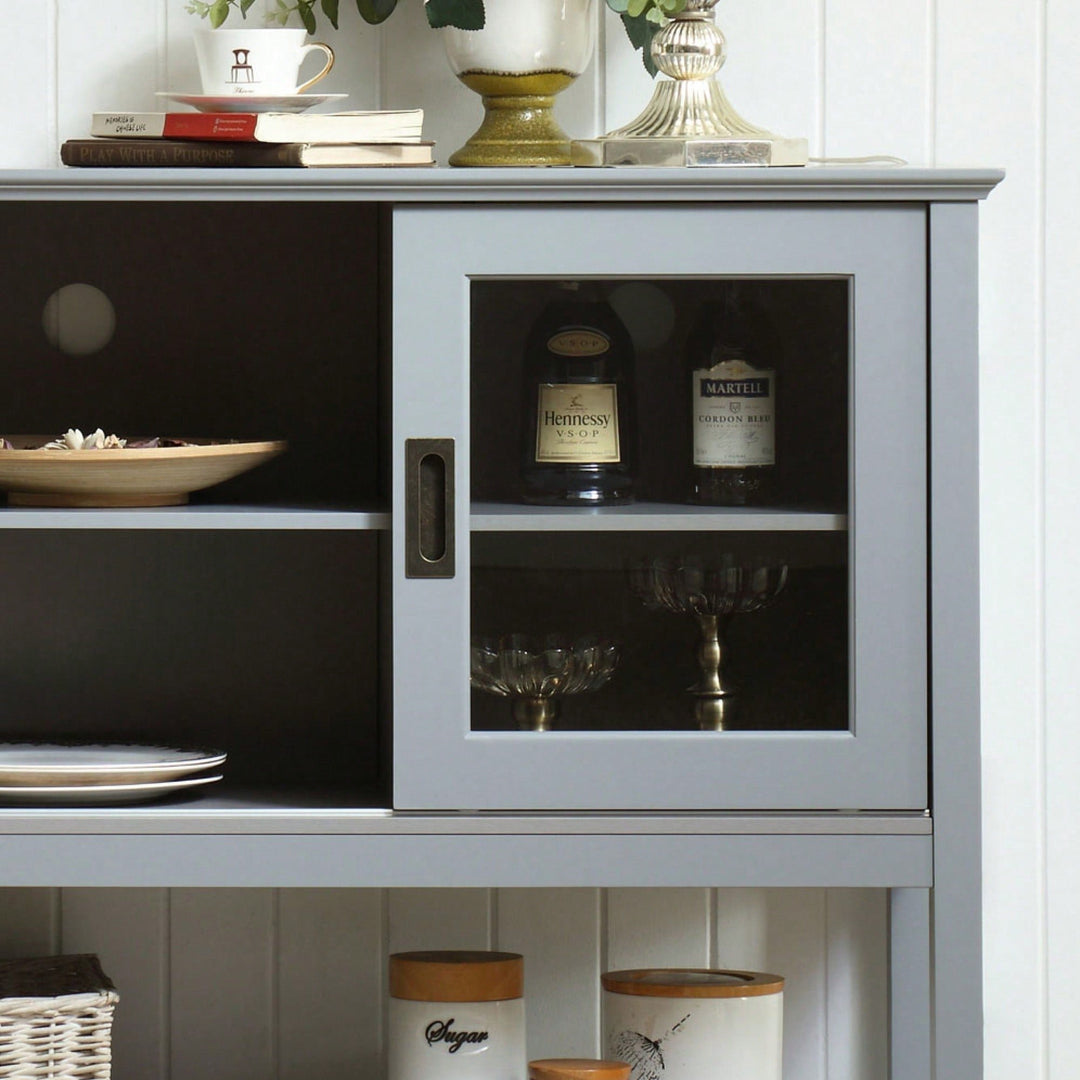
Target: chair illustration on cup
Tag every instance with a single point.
(241, 71)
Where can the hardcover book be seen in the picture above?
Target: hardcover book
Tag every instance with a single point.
(383, 125)
(190, 153)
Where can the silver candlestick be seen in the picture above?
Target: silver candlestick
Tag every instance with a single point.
(689, 120)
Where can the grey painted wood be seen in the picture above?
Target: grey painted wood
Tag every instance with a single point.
(501, 517)
(439, 763)
(954, 510)
(495, 185)
(454, 860)
(272, 817)
(195, 517)
(911, 994)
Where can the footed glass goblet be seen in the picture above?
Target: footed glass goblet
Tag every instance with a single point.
(536, 672)
(712, 592)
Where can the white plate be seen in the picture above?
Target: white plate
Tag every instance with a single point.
(40, 765)
(102, 793)
(253, 103)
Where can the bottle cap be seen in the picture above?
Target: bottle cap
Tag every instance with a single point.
(691, 983)
(457, 975)
(578, 1069)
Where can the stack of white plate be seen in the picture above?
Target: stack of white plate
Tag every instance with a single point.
(45, 773)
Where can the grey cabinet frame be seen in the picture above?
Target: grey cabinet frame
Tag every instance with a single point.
(928, 860)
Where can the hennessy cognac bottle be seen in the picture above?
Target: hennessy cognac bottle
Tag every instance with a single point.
(579, 446)
(733, 403)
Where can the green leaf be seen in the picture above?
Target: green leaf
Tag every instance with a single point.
(330, 10)
(641, 32)
(244, 6)
(618, 6)
(636, 7)
(307, 16)
(464, 14)
(219, 12)
(375, 11)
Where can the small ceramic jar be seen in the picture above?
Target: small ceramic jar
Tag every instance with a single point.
(456, 1016)
(695, 1024)
(578, 1069)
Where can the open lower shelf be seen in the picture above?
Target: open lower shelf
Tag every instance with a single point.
(204, 516)
(651, 517)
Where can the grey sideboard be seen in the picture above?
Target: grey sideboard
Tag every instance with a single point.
(287, 617)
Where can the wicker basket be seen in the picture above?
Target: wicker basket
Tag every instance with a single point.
(55, 1019)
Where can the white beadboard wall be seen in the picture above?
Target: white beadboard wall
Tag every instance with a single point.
(287, 984)
(948, 82)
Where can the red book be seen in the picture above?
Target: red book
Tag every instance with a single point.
(384, 125)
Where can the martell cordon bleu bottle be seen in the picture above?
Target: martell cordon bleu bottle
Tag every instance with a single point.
(733, 402)
(579, 445)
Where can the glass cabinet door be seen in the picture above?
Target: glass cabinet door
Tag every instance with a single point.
(660, 507)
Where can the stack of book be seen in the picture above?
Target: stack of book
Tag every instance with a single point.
(253, 140)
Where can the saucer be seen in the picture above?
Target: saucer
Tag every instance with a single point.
(250, 103)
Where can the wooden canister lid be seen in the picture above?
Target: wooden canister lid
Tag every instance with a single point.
(457, 975)
(691, 983)
(578, 1069)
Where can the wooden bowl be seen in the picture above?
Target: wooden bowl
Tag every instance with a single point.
(152, 476)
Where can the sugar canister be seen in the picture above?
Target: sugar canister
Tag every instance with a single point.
(578, 1069)
(695, 1023)
(456, 1015)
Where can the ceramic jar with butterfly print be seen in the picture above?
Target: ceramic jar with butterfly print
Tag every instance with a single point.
(695, 1023)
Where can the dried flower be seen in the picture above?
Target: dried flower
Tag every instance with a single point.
(73, 439)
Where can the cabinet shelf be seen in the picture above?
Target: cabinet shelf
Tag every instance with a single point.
(253, 838)
(224, 517)
(651, 517)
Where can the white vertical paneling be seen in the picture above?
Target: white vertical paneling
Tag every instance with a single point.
(415, 73)
(796, 949)
(439, 919)
(330, 985)
(741, 929)
(658, 928)
(179, 69)
(1061, 228)
(356, 70)
(988, 98)
(29, 922)
(28, 84)
(773, 73)
(107, 61)
(877, 70)
(578, 107)
(857, 1004)
(223, 992)
(558, 933)
(627, 86)
(128, 929)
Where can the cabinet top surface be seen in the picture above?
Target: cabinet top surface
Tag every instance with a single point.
(811, 183)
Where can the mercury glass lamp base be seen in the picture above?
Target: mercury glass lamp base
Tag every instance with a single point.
(694, 151)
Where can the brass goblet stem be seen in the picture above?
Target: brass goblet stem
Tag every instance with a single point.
(535, 713)
(711, 690)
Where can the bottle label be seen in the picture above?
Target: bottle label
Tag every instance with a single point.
(734, 415)
(577, 423)
(579, 342)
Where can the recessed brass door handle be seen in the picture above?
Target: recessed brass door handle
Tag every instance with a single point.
(429, 508)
